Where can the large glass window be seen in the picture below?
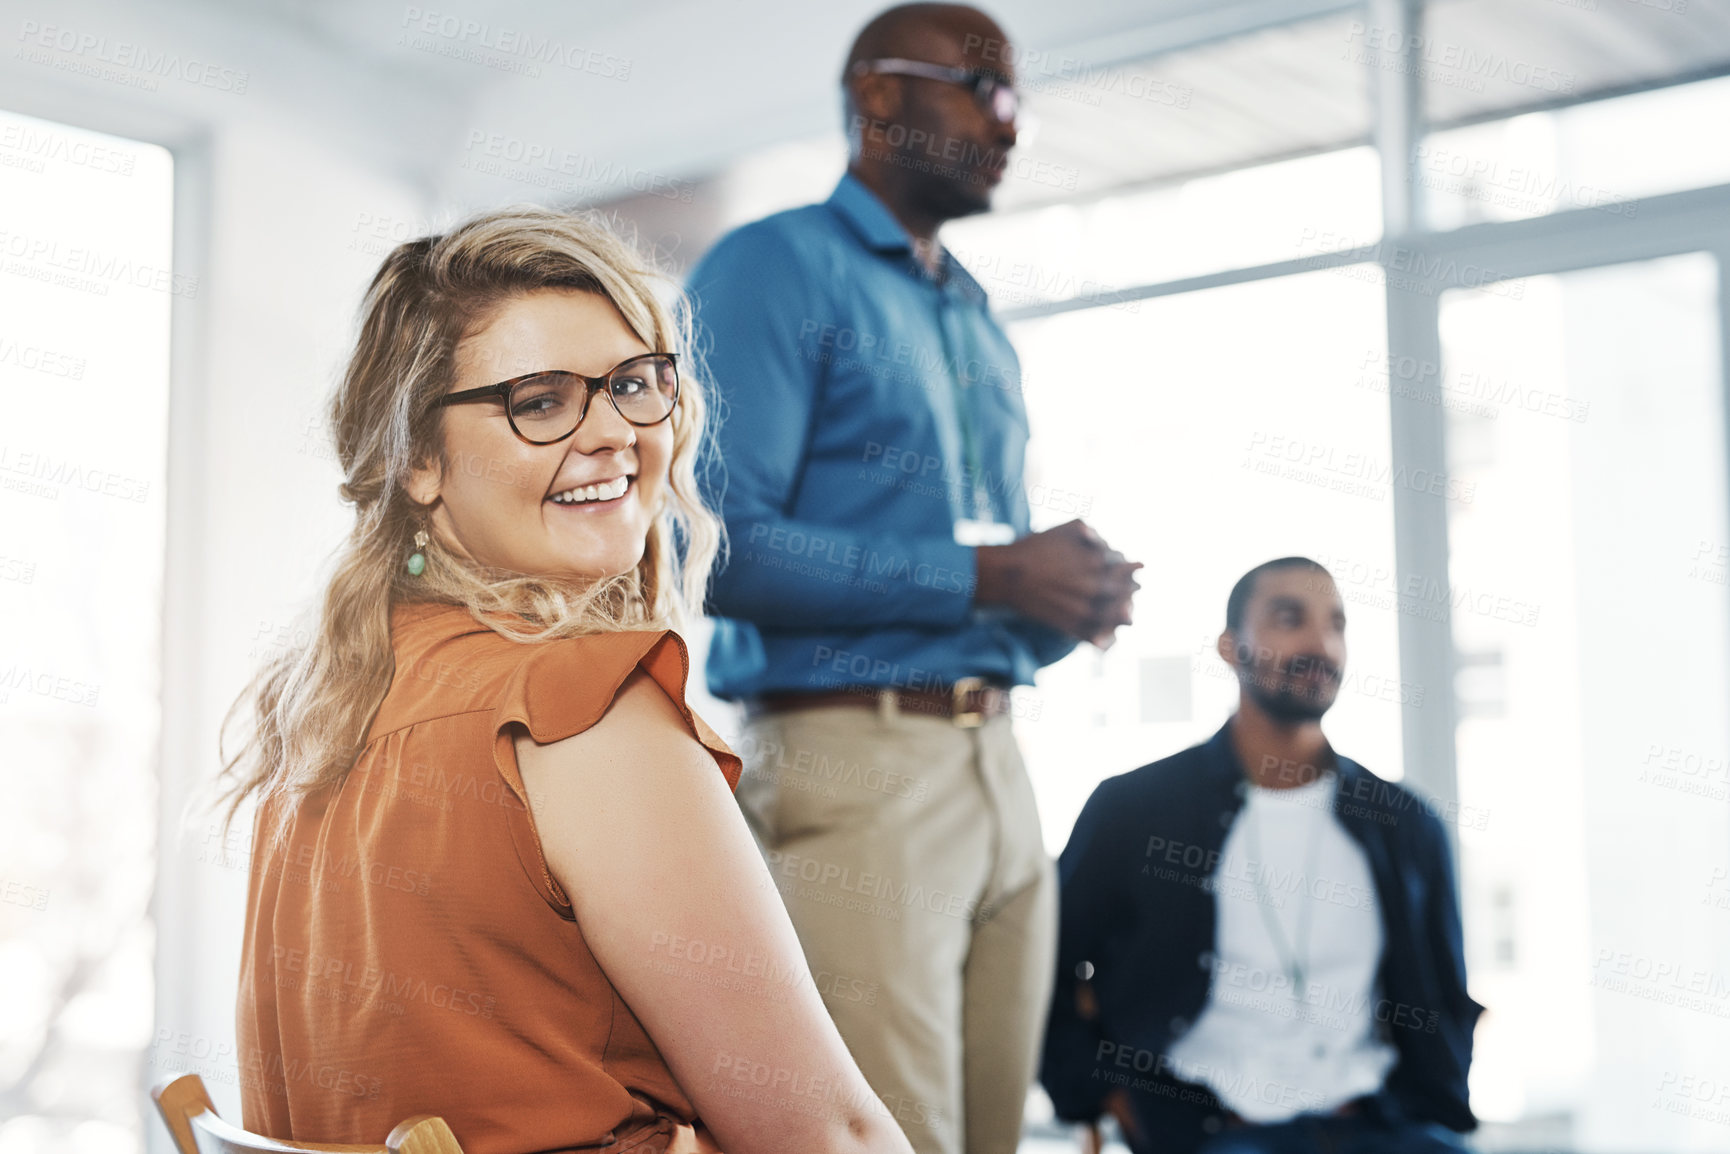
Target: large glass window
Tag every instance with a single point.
(1254, 216)
(85, 288)
(1590, 618)
(1209, 454)
(1603, 156)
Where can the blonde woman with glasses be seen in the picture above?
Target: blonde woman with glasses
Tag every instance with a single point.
(497, 873)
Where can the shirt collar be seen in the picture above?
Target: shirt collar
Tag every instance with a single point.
(1225, 769)
(869, 217)
(873, 223)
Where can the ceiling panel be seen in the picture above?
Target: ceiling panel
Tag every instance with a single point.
(1498, 57)
(1272, 93)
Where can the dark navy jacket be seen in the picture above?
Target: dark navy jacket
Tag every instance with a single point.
(1137, 905)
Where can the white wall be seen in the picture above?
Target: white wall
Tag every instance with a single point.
(274, 186)
(254, 507)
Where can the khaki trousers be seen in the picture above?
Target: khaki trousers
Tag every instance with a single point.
(909, 855)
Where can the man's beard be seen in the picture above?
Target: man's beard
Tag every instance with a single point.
(1267, 689)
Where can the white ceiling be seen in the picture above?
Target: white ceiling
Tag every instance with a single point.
(709, 82)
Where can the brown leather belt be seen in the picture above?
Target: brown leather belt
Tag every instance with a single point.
(969, 702)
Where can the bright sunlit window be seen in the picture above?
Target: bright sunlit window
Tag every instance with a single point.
(86, 285)
(1254, 216)
(1592, 732)
(1214, 455)
(1603, 156)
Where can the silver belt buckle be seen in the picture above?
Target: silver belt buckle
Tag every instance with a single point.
(963, 717)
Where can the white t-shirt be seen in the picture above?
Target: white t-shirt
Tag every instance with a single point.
(1267, 1050)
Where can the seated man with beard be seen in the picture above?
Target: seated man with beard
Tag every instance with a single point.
(1260, 943)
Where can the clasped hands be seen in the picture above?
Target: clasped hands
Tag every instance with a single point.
(1067, 578)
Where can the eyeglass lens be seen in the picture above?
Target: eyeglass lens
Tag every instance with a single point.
(550, 405)
(1002, 101)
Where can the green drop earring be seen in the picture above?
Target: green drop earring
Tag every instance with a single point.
(417, 559)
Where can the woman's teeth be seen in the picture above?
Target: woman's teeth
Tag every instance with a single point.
(585, 493)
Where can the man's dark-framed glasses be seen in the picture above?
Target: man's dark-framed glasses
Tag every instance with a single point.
(547, 406)
(995, 94)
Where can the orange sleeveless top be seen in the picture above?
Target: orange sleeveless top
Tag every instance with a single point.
(407, 952)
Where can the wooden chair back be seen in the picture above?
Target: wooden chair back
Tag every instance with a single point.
(186, 1110)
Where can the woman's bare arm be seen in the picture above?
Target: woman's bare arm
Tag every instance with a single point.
(680, 911)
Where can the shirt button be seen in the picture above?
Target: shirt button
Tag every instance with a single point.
(1178, 1026)
(1212, 1124)
(1204, 960)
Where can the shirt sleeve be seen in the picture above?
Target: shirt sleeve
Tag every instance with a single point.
(563, 688)
(1459, 1013)
(761, 303)
(1086, 896)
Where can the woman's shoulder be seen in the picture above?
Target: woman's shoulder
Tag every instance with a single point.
(448, 662)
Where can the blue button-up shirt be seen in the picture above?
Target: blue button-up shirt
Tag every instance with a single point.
(865, 406)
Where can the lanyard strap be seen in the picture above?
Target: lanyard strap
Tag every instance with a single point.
(1293, 960)
(961, 394)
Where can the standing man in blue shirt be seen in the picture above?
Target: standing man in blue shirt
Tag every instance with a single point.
(884, 593)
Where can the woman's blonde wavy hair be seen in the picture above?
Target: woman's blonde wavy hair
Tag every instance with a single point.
(312, 705)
